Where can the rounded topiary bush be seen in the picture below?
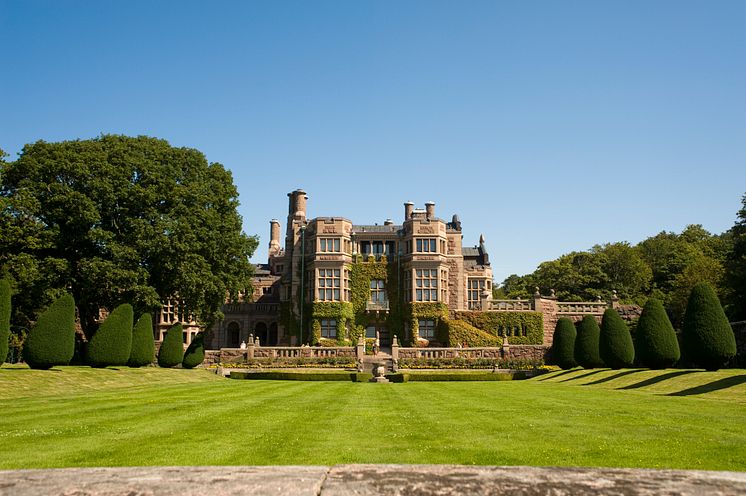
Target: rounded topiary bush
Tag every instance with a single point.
(657, 345)
(172, 350)
(112, 342)
(143, 344)
(563, 343)
(615, 343)
(707, 335)
(195, 352)
(4, 319)
(587, 353)
(52, 340)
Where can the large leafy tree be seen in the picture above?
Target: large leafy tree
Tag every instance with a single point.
(736, 264)
(120, 219)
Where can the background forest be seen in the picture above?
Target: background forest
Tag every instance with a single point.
(665, 266)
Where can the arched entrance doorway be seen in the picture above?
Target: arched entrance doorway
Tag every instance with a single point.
(272, 341)
(233, 338)
(260, 331)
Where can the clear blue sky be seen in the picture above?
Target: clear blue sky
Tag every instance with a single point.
(547, 126)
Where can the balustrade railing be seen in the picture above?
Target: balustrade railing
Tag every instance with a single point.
(581, 308)
(510, 305)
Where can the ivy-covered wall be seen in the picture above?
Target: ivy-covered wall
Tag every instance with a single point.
(340, 311)
(361, 273)
(427, 311)
(519, 327)
(468, 328)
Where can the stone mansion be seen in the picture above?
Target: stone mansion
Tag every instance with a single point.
(334, 280)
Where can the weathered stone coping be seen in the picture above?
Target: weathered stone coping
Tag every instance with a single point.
(367, 480)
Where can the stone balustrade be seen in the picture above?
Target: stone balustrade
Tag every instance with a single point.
(468, 353)
(510, 305)
(581, 307)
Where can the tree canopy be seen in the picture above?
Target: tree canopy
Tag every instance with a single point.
(665, 266)
(119, 219)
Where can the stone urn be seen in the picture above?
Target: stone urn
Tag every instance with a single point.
(379, 371)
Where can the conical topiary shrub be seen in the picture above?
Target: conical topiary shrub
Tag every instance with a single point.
(172, 350)
(708, 337)
(52, 340)
(563, 344)
(587, 353)
(112, 342)
(4, 319)
(195, 352)
(657, 345)
(615, 343)
(143, 344)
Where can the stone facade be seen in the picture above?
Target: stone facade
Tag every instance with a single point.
(314, 266)
(309, 290)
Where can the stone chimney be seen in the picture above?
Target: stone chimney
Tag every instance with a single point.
(274, 237)
(297, 204)
(408, 209)
(430, 210)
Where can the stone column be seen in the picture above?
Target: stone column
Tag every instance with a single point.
(250, 347)
(395, 348)
(360, 348)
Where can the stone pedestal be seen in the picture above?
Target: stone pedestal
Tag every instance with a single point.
(379, 370)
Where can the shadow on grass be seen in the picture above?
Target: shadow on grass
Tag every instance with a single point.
(612, 377)
(596, 371)
(657, 379)
(552, 376)
(712, 386)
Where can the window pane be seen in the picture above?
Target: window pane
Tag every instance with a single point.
(336, 245)
(336, 294)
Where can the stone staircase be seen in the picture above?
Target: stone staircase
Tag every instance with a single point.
(383, 356)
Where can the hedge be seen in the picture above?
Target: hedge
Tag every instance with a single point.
(4, 319)
(111, 344)
(143, 344)
(468, 376)
(172, 350)
(52, 340)
(519, 327)
(657, 346)
(463, 333)
(587, 343)
(563, 343)
(300, 376)
(707, 335)
(615, 343)
(195, 352)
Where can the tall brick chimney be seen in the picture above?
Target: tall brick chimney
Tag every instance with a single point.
(408, 209)
(430, 210)
(274, 237)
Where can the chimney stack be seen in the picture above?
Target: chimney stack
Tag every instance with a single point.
(430, 210)
(274, 237)
(297, 204)
(408, 208)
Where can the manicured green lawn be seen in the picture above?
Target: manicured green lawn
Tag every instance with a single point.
(77, 416)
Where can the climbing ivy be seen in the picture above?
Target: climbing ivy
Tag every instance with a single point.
(519, 327)
(436, 311)
(341, 311)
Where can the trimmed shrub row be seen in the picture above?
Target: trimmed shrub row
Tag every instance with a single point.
(4, 319)
(707, 337)
(112, 342)
(52, 340)
(300, 376)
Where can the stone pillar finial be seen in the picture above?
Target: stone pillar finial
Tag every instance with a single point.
(537, 292)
